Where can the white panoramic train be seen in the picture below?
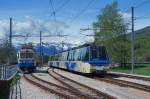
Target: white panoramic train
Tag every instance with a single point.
(86, 59)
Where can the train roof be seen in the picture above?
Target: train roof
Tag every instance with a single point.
(81, 46)
(24, 50)
(29, 46)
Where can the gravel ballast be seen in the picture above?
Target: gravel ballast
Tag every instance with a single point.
(30, 91)
(47, 77)
(114, 90)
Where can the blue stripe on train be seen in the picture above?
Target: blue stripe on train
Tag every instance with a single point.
(26, 65)
(70, 66)
(98, 63)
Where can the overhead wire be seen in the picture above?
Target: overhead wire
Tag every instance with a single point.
(142, 3)
(54, 14)
(62, 6)
(138, 6)
(82, 11)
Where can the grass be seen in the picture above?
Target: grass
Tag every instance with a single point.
(138, 69)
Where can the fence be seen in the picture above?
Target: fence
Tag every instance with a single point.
(7, 71)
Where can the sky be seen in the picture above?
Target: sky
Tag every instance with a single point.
(32, 16)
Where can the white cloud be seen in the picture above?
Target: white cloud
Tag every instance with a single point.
(33, 26)
(4, 27)
(30, 25)
(126, 16)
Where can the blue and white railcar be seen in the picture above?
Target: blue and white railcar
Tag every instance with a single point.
(26, 59)
(87, 58)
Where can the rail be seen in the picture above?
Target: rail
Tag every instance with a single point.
(87, 91)
(50, 87)
(124, 83)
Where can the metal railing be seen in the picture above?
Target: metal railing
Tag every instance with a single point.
(7, 71)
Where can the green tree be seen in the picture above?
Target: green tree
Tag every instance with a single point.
(112, 32)
(7, 54)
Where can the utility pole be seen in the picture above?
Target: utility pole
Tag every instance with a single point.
(40, 48)
(42, 53)
(132, 42)
(62, 45)
(10, 33)
(10, 41)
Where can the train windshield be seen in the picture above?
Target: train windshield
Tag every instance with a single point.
(98, 53)
(26, 55)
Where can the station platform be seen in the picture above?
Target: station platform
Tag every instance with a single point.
(130, 74)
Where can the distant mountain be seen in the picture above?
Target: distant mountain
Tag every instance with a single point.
(48, 48)
(141, 33)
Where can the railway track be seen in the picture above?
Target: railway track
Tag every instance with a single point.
(130, 76)
(87, 92)
(16, 91)
(53, 88)
(124, 83)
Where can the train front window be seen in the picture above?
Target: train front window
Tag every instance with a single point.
(102, 53)
(94, 53)
(26, 55)
(98, 53)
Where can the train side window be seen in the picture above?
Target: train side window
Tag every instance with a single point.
(70, 55)
(76, 54)
(67, 55)
(64, 56)
(85, 54)
(56, 58)
(73, 55)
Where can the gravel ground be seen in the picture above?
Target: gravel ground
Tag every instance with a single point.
(114, 90)
(134, 80)
(48, 78)
(30, 91)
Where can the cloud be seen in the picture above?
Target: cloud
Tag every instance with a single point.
(126, 16)
(4, 27)
(33, 26)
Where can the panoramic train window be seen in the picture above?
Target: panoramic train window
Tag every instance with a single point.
(56, 57)
(70, 55)
(59, 56)
(77, 55)
(64, 56)
(84, 53)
